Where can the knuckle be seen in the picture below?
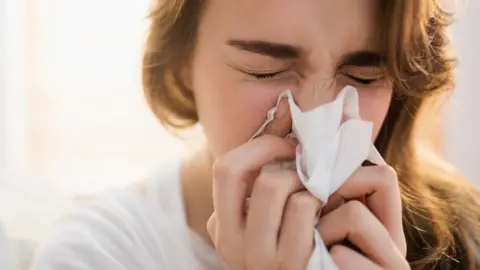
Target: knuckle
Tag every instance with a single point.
(389, 177)
(269, 185)
(388, 172)
(355, 213)
(302, 201)
(212, 227)
(337, 252)
(223, 169)
(292, 181)
(358, 217)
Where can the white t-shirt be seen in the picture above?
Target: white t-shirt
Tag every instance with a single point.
(129, 230)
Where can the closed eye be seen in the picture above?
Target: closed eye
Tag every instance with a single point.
(262, 76)
(365, 81)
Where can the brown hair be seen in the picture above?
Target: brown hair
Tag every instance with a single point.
(441, 212)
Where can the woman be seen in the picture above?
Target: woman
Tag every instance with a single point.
(223, 64)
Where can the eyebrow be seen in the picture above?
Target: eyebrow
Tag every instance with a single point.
(364, 59)
(274, 50)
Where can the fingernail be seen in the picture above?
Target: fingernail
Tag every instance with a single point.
(292, 141)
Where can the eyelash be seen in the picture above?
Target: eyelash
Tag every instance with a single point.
(263, 76)
(361, 80)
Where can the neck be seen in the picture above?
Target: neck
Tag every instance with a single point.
(197, 191)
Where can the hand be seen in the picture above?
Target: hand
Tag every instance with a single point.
(276, 232)
(374, 228)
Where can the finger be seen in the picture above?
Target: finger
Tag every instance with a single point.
(333, 203)
(380, 183)
(354, 222)
(226, 253)
(281, 124)
(212, 228)
(232, 172)
(296, 233)
(270, 193)
(347, 259)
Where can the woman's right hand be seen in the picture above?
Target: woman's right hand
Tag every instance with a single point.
(276, 231)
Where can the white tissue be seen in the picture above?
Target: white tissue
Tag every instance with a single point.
(329, 151)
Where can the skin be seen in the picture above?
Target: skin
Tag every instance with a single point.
(326, 42)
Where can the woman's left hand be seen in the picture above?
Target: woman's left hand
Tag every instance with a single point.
(375, 228)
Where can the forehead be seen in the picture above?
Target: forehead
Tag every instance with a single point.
(333, 25)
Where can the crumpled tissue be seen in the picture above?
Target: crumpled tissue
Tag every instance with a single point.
(333, 142)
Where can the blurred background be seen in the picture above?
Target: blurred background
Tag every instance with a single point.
(73, 119)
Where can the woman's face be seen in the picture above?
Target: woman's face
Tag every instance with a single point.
(249, 51)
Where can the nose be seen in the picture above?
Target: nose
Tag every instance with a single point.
(315, 92)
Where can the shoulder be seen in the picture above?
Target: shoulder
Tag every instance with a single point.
(103, 235)
(124, 229)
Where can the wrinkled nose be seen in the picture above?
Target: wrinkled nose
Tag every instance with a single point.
(316, 92)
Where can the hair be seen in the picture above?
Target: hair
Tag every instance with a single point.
(441, 213)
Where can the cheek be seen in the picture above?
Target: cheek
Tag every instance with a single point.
(374, 106)
(231, 111)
